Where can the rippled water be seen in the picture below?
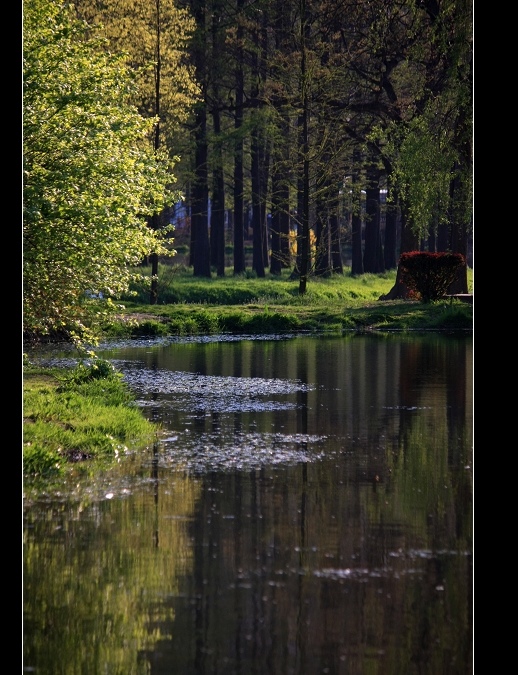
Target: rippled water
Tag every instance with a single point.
(307, 508)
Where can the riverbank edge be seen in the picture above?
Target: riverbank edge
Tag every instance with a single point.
(391, 317)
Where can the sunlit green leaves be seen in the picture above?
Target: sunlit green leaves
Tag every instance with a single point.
(91, 176)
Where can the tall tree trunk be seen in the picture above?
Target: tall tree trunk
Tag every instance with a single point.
(322, 239)
(304, 220)
(155, 220)
(372, 256)
(259, 167)
(217, 216)
(390, 247)
(409, 242)
(264, 172)
(337, 266)
(275, 228)
(200, 198)
(459, 234)
(200, 188)
(239, 181)
(356, 220)
(280, 198)
(258, 262)
(280, 149)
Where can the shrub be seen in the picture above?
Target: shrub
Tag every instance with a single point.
(429, 274)
(96, 369)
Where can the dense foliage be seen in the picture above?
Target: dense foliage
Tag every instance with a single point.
(91, 174)
(285, 122)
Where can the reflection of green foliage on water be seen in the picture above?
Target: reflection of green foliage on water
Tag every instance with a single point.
(89, 609)
(426, 481)
(421, 491)
(355, 540)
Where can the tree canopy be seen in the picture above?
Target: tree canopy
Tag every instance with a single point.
(92, 176)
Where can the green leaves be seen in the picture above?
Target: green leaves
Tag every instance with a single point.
(91, 175)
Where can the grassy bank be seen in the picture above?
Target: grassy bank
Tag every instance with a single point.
(87, 413)
(84, 413)
(190, 306)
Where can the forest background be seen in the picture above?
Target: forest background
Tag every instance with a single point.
(303, 130)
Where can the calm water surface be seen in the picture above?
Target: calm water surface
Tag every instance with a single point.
(306, 509)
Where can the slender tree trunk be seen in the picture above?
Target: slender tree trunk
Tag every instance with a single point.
(372, 256)
(217, 214)
(200, 199)
(304, 235)
(264, 172)
(258, 262)
(155, 220)
(337, 266)
(280, 147)
(217, 217)
(390, 248)
(239, 230)
(409, 242)
(259, 167)
(356, 221)
(459, 235)
(322, 240)
(275, 256)
(280, 222)
(200, 189)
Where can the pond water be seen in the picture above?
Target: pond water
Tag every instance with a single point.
(307, 508)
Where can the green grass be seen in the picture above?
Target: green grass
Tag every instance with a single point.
(176, 285)
(70, 416)
(191, 305)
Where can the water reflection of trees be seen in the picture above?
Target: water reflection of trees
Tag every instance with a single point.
(359, 562)
(94, 579)
(326, 561)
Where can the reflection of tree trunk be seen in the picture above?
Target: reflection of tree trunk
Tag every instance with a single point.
(456, 379)
(301, 605)
(410, 357)
(154, 477)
